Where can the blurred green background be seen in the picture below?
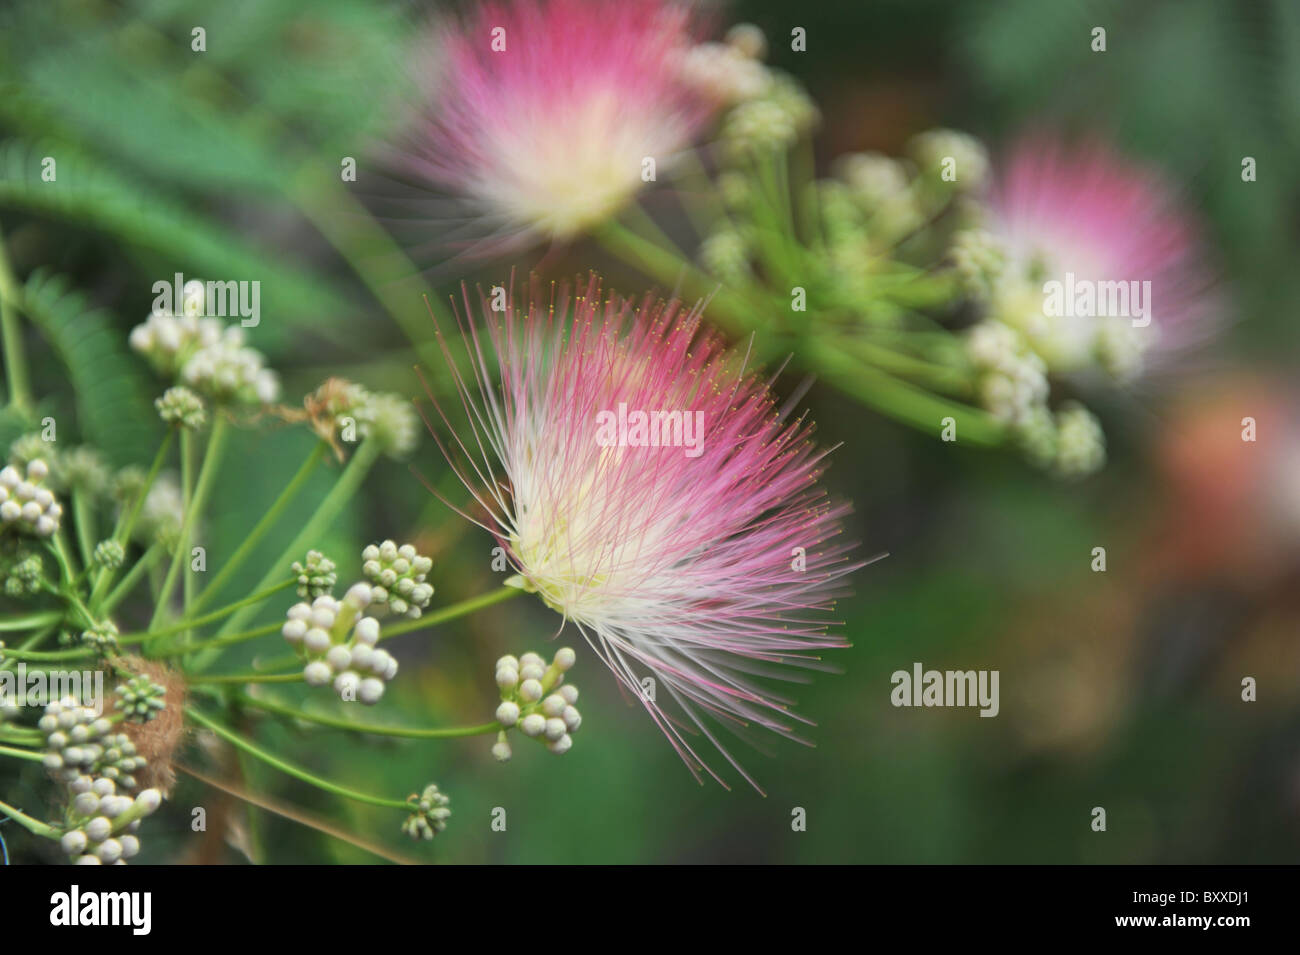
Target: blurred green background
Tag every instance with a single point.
(1119, 689)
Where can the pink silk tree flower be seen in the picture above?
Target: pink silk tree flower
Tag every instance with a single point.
(549, 115)
(1103, 265)
(651, 491)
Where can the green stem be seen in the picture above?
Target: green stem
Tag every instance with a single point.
(346, 486)
(217, 642)
(187, 503)
(85, 539)
(207, 475)
(377, 260)
(15, 358)
(902, 401)
(451, 612)
(195, 622)
(138, 570)
(21, 754)
(338, 722)
(252, 749)
(30, 621)
(259, 531)
(125, 527)
(27, 822)
(240, 678)
(36, 655)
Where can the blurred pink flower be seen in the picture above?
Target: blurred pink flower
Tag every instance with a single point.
(1086, 214)
(696, 555)
(547, 110)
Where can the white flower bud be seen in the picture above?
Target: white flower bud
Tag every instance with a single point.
(560, 745)
(358, 595)
(553, 705)
(149, 800)
(530, 691)
(508, 713)
(370, 691)
(572, 718)
(532, 671)
(98, 829)
(555, 728)
(565, 657)
(347, 684)
(317, 673)
(339, 658)
(367, 630)
(74, 842)
(110, 850)
(316, 640)
(534, 724)
(507, 678)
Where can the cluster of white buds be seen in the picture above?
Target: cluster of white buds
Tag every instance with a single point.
(397, 577)
(24, 504)
(316, 576)
(873, 179)
(109, 554)
(101, 637)
(535, 699)
(339, 644)
(28, 447)
(970, 160)
(230, 371)
(181, 407)
(81, 747)
(168, 341)
(1013, 378)
(729, 72)
(102, 824)
(429, 813)
(341, 408)
(391, 421)
(977, 259)
(726, 254)
(140, 698)
(205, 353)
(84, 469)
(22, 571)
(161, 514)
(1080, 442)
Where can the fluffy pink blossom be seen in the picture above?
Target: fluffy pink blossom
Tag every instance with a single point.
(1086, 210)
(698, 555)
(547, 110)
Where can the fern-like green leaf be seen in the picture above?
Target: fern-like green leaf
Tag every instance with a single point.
(112, 390)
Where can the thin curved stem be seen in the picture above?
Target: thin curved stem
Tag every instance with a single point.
(338, 722)
(261, 528)
(34, 826)
(125, 527)
(451, 612)
(346, 486)
(252, 749)
(217, 642)
(207, 476)
(226, 678)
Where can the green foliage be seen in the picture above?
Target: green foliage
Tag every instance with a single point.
(109, 384)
